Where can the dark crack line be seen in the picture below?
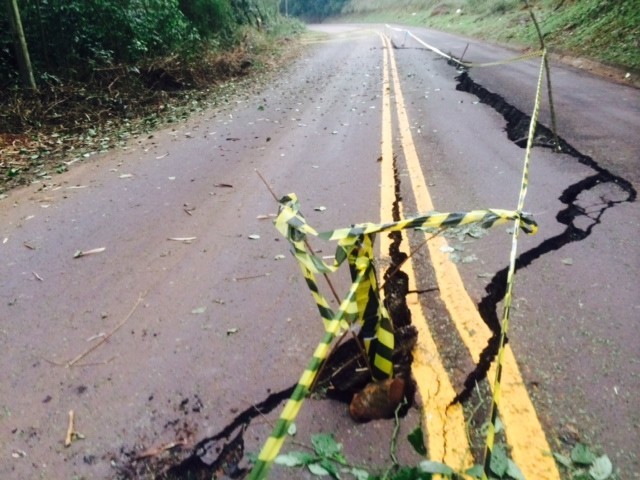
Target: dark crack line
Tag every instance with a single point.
(229, 455)
(517, 128)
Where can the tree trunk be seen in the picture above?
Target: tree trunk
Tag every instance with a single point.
(22, 52)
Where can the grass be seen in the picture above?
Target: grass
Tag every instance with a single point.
(604, 30)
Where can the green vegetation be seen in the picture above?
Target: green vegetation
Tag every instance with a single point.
(604, 30)
(314, 10)
(105, 71)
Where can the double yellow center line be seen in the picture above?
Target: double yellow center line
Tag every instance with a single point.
(445, 423)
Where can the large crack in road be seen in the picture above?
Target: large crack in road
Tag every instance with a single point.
(344, 374)
(570, 216)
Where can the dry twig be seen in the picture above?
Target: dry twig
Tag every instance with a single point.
(107, 336)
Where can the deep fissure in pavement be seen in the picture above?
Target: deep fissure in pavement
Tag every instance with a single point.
(343, 375)
(517, 131)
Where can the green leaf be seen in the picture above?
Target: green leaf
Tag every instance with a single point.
(514, 471)
(563, 460)
(252, 457)
(317, 469)
(331, 468)
(601, 469)
(499, 461)
(436, 467)
(416, 439)
(295, 459)
(475, 472)
(292, 430)
(410, 473)
(582, 455)
(359, 473)
(325, 445)
(581, 475)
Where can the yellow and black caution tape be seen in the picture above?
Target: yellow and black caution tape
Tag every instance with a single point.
(504, 326)
(362, 303)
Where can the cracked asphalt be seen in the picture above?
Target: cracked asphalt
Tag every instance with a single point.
(189, 326)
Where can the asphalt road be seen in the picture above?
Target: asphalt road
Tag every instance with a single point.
(157, 339)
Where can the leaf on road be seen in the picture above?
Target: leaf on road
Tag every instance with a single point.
(84, 253)
(279, 257)
(582, 455)
(325, 445)
(435, 467)
(126, 175)
(223, 185)
(601, 468)
(199, 310)
(514, 471)
(499, 461)
(295, 459)
(231, 331)
(317, 469)
(567, 261)
(416, 439)
(292, 430)
(255, 236)
(563, 460)
(320, 209)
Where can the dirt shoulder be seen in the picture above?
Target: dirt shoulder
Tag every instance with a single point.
(44, 134)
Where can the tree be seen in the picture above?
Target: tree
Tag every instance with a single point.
(20, 43)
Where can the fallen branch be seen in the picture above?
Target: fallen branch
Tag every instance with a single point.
(107, 336)
(155, 451)
(71, 431)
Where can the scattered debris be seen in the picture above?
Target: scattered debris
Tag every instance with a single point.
(126, 175)
(223, 185)
(265, 217)
(84, 253)
(231, 331)
(255, 236)
(279, 257)
(106, 337)
(182, 239)
(18, 454)
(72, 434)
(38, 277)
(29, 246)
(199, 310)
(567, 261)
(96, 336)
(187, 209)
(320, 209)
(155, 451)
(251, 277)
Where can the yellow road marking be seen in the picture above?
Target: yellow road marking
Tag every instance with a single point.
(529, 447)
(447, 438)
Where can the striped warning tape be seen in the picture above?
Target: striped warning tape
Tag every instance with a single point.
(361, 305)
(504, 326)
